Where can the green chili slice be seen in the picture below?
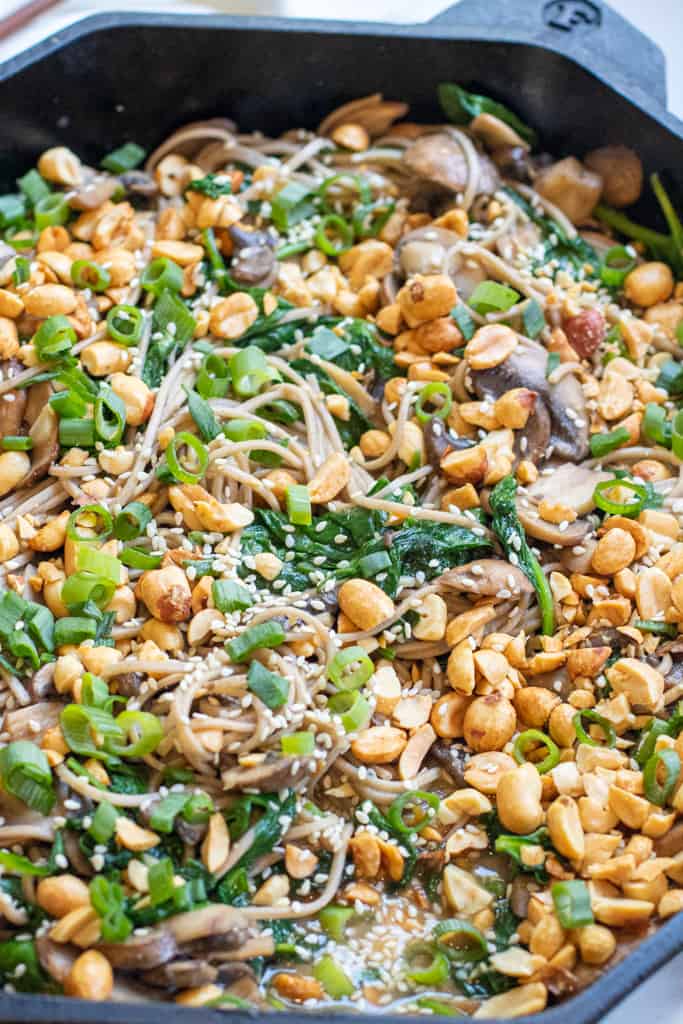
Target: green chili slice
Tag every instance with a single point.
(180, 471)
(98, 515)
(414, 798)
(427, 394)
(460, 941)
(620, 508)
(88, 274)
(572, 903)
(435, 967)
(51, 210)
(353, 709)
(350, 669)
(603, 444)
(595, 719)
(531, 737)
(125, 324)
(335, 226)
(617, 264)
(162, 275)
(668, 762)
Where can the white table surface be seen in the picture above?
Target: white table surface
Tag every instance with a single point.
(660, 999)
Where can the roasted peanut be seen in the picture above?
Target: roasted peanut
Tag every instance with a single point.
(90, 977)
(489, 723)
(364, 603)
(518, 799)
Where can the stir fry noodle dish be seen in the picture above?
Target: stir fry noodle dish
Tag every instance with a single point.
(341, 566)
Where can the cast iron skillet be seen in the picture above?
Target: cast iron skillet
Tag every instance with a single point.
(572, 68)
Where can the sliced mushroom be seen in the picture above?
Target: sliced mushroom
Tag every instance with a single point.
(431, 250)
(95, 190)
(45, 436)
(41, 686)
(180, 974)
(141, 952)
(128, 683)
(254, 260)
(439, 440)
(521, 890)
(533, 441)
(373, 112)
(550, 533)
(189, 139)
(514, 162)
(451, 759)
(570, 485)
(12, 403)
(672, 843)
(55, 958)
(214, 919)
(269, 776)
(77, 859)
(139, 183)
(38, 397)
(440, 161)
(32, 721)
(495, 133)
(190, 834)
(487, 577)
(565, 401)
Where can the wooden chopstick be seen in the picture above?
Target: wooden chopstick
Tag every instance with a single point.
(13, 22)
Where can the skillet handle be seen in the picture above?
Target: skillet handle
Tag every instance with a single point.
(588, 31)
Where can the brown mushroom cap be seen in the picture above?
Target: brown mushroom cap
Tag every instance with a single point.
(45, 436)
(565, 401)
(12, 403)
(254, 260)
(440, 160)
(96, 189)
(141, 952)
(486, 577)
(434, 250)
(570, 485)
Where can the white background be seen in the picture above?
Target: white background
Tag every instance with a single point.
(659, 1000)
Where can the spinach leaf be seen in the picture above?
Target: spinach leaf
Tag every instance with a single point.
(511, 535)
(568, 253)
(505, 923)
(461, 107)
(212, 185)
(478, 983)
(22, 954)
(337, 544)
(513, 846)
(364, 351)
(125, 779)
(268, 831)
